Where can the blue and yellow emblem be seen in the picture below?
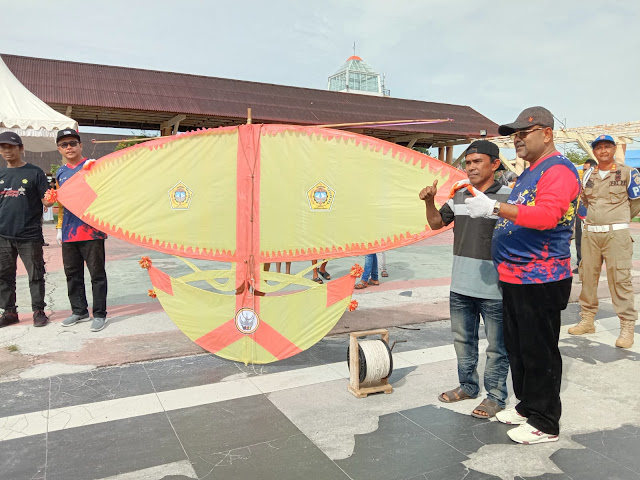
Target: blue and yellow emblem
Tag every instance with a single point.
(321, 196)
(180, 196)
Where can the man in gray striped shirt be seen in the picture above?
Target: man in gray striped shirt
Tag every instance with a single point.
(474, 280)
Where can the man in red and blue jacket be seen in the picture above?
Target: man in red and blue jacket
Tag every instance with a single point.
(531, 251)
(81, 244)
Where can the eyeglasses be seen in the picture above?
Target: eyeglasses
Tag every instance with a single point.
(72, 143)
(524, 133)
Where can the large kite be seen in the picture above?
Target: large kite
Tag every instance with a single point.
(249, 195)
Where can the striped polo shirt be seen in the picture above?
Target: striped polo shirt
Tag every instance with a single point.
(473, 273)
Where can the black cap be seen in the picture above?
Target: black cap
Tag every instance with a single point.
(10, 138)
(529, 117)
(486, 147)
(68, 132)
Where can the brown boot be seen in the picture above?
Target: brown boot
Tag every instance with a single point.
(585, 325)
(625, 340)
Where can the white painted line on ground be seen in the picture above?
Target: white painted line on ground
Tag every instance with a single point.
(205, 394)
(34, 423)
(168, 470)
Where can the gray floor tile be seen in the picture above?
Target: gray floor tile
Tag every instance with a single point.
(23, 458)
(224, 426)
(463, 432)
(291, 458)
(548, 476)
(99, 385)
(458, 472)
(584, 349)
(23, 396)
(621, 445)
(112, 448)
(588, 465)
(189, 371)
(398, 449)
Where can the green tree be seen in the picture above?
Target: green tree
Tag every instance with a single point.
(577, 157)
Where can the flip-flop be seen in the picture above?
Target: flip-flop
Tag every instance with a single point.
(374, 282)
(326, 275)
(384, 273)
(360, 286)
(487, 406)
(454, 395)
(318, 280)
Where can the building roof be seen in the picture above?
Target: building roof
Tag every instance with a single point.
(110, 96)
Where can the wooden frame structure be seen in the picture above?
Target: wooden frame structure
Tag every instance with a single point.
(354, 365)
(622, 133)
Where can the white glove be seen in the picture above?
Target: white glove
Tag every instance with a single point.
(59, 236)
(479, 205)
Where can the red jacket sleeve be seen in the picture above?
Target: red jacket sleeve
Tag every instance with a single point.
(556, 189)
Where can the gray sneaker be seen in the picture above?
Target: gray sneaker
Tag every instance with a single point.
(98, 324)
(73, 319)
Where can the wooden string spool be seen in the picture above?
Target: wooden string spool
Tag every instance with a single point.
(370, 363)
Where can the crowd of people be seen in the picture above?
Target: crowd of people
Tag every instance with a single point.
(22, 196)
(512, 267)
(511, 260)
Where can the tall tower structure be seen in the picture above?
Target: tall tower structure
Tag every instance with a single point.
(355, 76)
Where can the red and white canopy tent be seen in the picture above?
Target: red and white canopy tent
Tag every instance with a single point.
(28, 116)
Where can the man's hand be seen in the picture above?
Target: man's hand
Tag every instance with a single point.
(480, 205)
(59, 236)
(429, 193)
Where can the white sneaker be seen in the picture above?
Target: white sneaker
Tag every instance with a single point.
(528, 435)
(510, 416)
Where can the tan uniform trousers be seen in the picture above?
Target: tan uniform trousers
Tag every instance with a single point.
(616, 249)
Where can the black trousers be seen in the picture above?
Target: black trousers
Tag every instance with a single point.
(31, 255)
(74, 256)
(579, 239)
(531, 323)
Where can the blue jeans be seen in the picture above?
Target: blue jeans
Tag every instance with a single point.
(370, 267)
(465, 322)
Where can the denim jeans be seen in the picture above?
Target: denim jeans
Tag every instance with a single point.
(370, 267)
(74, 256)
(465, 322)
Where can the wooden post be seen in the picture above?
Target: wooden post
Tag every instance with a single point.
(441, 154)
(449, 154)
(249, 116)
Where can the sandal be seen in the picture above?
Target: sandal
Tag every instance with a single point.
(487, 406)
(384, 273)
(374, 282)
(318, 280)
(325, 275)
(360, 286)
(454, 395)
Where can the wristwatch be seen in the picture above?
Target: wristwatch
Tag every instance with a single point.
(496, 209)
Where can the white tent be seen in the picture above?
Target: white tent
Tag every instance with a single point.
(28, 116)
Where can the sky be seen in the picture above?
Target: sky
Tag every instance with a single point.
(578, 58)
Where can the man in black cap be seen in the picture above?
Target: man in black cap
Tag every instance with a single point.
(81, 244)
(22, 190)
(474, 280)
(532, 255)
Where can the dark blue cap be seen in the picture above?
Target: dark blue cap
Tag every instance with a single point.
(602, 138)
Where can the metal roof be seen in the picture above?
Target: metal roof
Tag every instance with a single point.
(111, 96)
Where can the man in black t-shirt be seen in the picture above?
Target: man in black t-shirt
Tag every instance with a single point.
(22, 189)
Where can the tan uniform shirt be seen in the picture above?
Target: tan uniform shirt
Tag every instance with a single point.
(606, 199)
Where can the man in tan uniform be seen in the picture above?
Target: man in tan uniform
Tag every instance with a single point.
(611, 193)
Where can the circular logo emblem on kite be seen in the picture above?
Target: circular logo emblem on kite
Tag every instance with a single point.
(247, 321)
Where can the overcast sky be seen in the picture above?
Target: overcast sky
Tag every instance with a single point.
(579, 58)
